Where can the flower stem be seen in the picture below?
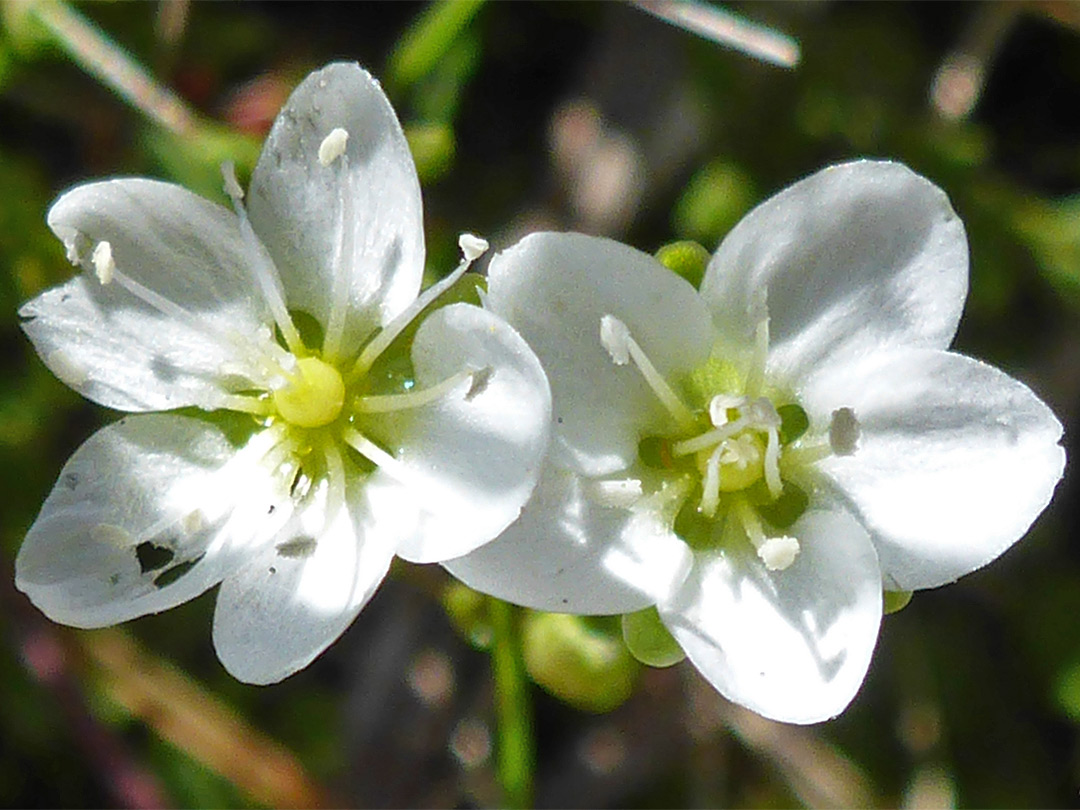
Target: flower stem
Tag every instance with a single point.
(91, 48)
(514, 749)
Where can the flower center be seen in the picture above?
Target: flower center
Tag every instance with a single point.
(738, 455)
(740, 461)
(313, 397)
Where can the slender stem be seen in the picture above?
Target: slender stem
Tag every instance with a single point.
(91, 48)
(513, 709)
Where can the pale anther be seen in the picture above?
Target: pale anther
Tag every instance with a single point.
(778, 553)
(232, 186)
(480, 380)
(844, 432)
(472, 247)
(333, 146)
(615, 337)
(762, 413)
(710, 487)
(719, 406)
(104, 266)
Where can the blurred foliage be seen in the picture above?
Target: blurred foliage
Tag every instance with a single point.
(517, 113)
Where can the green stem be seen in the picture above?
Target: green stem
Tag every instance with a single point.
(513, 708)
(94, 51)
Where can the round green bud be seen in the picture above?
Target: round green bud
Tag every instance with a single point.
(687, 259)
(577, 660)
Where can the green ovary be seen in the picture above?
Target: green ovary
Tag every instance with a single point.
(742, 461)
(314, 395)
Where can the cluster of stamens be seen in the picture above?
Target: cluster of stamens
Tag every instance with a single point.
(311, 400)
(739, 449)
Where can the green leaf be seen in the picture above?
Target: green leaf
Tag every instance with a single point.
(428, 39)
(195, 162)
(433, 147)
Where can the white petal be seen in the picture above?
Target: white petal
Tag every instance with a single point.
(954, 461)
(572, 552)
(113, 347)
(162, 481)
(295, 596)
(296, 204)
(471, 458)
(792, 645)
(857, 257)
(555, 288)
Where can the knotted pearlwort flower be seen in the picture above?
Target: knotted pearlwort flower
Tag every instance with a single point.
(760, 459)
(360, 434)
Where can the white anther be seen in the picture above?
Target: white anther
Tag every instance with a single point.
(762, 413)
(621, 494)
(615, 336)
(844, 432)
(710, 486)
(333, 146)
(479, 384)
(232, 186)
(472, 247)
(102, 258)
(778, 552)
(720, 405)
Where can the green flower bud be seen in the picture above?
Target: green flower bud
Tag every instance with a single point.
(579, 660)
(687, 259)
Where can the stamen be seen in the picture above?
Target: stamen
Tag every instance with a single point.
(266, 274)
(382, 340)
(480, 381)
(719, 406)
(104, 266)
(335, 473)
(176, 312)
(803, 455)
(333, 146)
(844, 432)
(245, 404)
(377, 456)
(772, 463)
(343, 258)
(776, 552)
(385, 403)
(710, 487)
(615, 337)
(472, 247)
(708, 438)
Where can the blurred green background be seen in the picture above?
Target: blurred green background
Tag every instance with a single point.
(605, 119)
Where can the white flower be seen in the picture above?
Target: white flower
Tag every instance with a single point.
(354, 446)
(799, 434)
